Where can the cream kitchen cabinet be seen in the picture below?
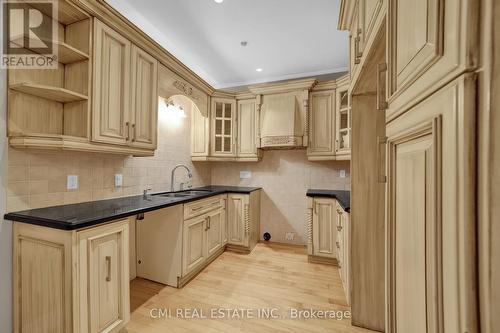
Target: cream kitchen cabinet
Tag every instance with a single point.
(343, 249)
(104, 278)
(428, 46)
(243, 219)
(343, 120)
(248, 130)
(431, 213)
(125, 91)
(111, 88)
(223, 127)
(324, 228)
(234, 131)
(368, 13)
(194, 241)
(322, 126)
(71, 281)
(144, 105)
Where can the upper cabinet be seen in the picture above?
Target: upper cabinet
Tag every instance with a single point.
(223, 133)
(248, 129)
(428, 45)
(322, 124)
(111, 89)
(343, 120)
(101, 97)
(125, 91)
(330, 121)
(144, 106)
(233, 127)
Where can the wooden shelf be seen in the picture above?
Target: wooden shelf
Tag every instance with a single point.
(51, 93)
(66, 12)
(66, 54)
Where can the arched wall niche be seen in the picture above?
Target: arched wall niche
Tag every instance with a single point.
(170, 84)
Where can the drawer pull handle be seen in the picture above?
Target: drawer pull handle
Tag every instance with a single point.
(108, 262)
(339, 228)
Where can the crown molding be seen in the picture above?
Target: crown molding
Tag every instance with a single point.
(106, 13)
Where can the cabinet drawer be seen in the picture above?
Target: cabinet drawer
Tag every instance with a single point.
(200, 207)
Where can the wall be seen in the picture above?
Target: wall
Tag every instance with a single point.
(5, 226)
(285, 176)
(38, 178)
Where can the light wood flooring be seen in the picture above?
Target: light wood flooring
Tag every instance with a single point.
(271, 277)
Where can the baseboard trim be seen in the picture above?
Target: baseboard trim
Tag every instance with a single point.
(322, 260)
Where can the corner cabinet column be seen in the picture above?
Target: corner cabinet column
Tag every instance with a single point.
(111, 86)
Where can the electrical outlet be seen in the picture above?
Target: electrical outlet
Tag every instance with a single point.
(290, 235)
(342, 173)
(72, 182)
(245, 174)
(118, 180)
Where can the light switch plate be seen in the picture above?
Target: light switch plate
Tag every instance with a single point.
(118, 180)
(342, 174)
(72, 182)
(245, 174)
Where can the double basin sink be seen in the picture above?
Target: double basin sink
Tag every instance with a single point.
(182, 194)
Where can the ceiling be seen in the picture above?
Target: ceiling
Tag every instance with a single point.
(285, 38)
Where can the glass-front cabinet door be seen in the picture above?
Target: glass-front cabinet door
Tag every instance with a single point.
(223, 141)
(343, 124)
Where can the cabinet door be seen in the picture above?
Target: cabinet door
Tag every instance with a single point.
(343, 122)
(247, 129)
(111, 86)
(223, 127)
(108, 277)
(354, 40)
(200, 134)
(369, 11)
(430, 214)
(144, 105)
(324, 228)
(322, 122)
(214, 232)
(430, 43)
(237, 219)
(194, 245)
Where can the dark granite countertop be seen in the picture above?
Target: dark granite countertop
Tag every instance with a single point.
(343, 197)
(85, 214)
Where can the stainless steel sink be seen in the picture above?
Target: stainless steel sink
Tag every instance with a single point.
(174, 195)
(182, 194)
(195, 192)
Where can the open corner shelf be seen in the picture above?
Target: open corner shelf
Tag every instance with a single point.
(56, 94)
(67, 54)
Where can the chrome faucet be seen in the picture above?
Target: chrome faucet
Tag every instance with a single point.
(190, 175)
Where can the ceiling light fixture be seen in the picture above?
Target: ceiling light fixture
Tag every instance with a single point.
(259, 70)
(218, 1)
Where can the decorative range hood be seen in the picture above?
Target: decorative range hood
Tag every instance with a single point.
(283, 114)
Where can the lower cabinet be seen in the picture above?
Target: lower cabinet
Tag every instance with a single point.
(324, 228)
(194, 240)
(71, 281)
(243, 221)
(328, 236)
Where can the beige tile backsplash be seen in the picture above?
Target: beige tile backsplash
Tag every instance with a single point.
(285, 176)
(38, 178)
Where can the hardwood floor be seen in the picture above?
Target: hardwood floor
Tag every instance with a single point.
(271, 277)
